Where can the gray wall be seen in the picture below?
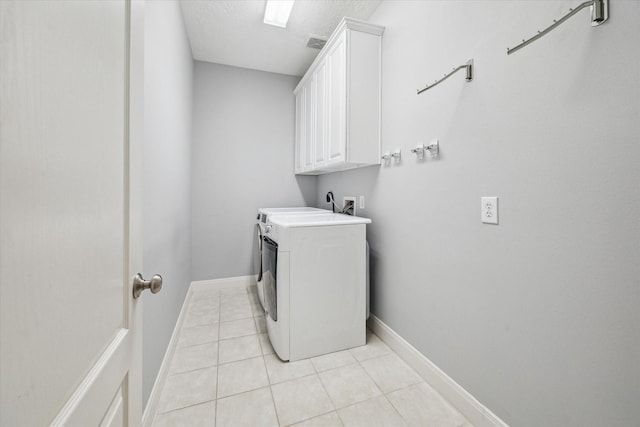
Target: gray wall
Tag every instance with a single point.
(167, 185)
(539, 316)
(242, 159)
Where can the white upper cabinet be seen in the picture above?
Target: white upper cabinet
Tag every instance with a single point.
(338, 103)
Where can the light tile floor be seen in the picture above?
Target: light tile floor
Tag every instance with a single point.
(224, 373)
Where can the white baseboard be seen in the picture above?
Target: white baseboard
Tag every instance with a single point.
(227, 282)
(202, 285)
(478, 414)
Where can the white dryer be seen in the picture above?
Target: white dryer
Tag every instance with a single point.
(261, 223)
(314, 278)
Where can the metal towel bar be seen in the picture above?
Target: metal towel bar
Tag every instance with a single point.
(468, 65)
(599, 14)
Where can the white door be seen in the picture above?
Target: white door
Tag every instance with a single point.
(71, 132)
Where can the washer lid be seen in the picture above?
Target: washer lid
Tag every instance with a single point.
(265, 213)
(317, 220)
(296, 210)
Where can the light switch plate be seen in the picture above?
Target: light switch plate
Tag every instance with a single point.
(489, 210)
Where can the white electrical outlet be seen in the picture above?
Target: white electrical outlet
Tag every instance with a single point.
(489, 210)
(361, 203)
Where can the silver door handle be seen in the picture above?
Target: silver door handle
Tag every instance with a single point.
(139, 284)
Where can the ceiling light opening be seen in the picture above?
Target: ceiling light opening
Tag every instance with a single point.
(277, 12)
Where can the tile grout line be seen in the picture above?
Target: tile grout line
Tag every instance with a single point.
(365, 371)
(316, 371)
(256, 334)
(394, 408)
(191, 300)
(273, 400)
(359, 363)
(271, 384)
(384, 394)
(335, 408)
(326, 392)
(186, 407)
(264, 361)
(215, 414)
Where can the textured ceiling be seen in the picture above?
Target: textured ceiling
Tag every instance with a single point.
(232, 32)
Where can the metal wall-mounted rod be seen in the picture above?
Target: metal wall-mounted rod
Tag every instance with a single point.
(599, 14)
(433, 149)
(468, 65)
(397, 154)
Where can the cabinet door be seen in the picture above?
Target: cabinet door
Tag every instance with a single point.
(300, 125)
(336, 101)
(320, 152)
(309, 124)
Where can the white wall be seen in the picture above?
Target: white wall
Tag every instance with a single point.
(537, 317)
(242, 160)
(167, 183)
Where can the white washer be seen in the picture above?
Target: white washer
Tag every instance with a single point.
(315, 283)
(261, 222)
